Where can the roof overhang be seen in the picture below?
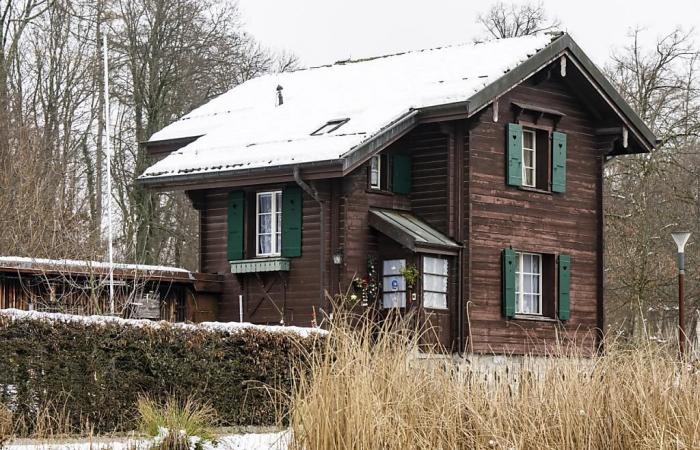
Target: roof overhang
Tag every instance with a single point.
(244, 177)
(564, 45)
(411, 232)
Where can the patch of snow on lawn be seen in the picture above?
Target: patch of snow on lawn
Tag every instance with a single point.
(249, 441)
(254, 441)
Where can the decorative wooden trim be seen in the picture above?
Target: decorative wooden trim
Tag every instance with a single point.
(260, 265)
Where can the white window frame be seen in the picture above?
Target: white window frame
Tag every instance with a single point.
(400, 294)
(520, 292)
(274, 231)
(532, 150)
(445, 276)
(375, 167)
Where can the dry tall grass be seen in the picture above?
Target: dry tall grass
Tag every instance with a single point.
(368, 391)
(51, 419)
(5, 425)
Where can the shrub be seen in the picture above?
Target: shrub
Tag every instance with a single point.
(96, 370)
(368, 390)
(177, 424)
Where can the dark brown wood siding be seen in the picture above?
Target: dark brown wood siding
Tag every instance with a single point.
(273, 297)
(428, 147)
(504, 216)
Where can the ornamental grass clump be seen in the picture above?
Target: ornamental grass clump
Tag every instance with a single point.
(177, 424)
(368, 389)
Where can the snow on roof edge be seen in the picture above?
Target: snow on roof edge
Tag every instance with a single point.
(21, 262)
(222, 327)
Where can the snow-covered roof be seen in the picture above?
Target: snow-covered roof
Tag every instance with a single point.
(20, 262)
(244, 128)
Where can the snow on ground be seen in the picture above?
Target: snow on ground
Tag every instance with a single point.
(249, 441)
(255, 441)
(225, 327)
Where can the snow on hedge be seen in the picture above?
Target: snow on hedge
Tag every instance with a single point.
(224, 327)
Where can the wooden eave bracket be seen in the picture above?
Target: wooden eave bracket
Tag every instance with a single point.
(539, 112)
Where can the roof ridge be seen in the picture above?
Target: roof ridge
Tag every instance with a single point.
(342, 62)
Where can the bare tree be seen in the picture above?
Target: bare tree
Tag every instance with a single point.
(648, 196)
(167, 57)
(507, 20)
(174, 55)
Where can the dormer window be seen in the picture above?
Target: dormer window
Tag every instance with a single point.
(330, 127)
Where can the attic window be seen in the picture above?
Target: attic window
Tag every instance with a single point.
(329, 127)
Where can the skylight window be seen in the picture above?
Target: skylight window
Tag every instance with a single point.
(330, 126)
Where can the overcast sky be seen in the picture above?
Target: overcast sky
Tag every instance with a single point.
(324, 31)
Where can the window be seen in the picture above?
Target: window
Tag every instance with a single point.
(330, 126)
(269, 223)
(378, 172)
(393, 284)
(375, 171)
(536, 159)
(434, 283)
(528, 283)
(529, 158)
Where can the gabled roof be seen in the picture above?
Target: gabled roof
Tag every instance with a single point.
(379, 98)
(411, 232)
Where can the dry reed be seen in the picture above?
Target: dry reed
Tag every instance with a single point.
(367, 390)
(5, 425)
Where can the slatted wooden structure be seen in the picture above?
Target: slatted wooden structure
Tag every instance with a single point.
(80, 287)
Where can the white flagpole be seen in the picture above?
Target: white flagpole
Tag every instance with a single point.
(109, 179)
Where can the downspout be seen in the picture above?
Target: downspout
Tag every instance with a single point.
(313, 193)
(456, 151)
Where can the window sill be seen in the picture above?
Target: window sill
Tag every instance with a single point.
(260, 264)
(534, 318)
(379, 191)
(535, 190)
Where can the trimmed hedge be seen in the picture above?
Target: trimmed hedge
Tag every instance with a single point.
(96, 370)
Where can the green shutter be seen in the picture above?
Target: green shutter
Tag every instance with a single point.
(564, 282)
(401, 174)
(236, 204)
(291, 221)
(508, 281)
(558, 162)
(515, 154)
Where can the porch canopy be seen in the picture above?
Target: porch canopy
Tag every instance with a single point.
(411, 232)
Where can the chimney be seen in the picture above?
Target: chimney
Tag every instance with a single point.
(280, 99)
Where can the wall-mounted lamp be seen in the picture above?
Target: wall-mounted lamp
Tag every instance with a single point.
(338, 258)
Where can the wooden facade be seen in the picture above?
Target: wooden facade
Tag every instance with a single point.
(459, 188)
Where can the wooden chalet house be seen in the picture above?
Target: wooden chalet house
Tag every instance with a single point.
(478, 167)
